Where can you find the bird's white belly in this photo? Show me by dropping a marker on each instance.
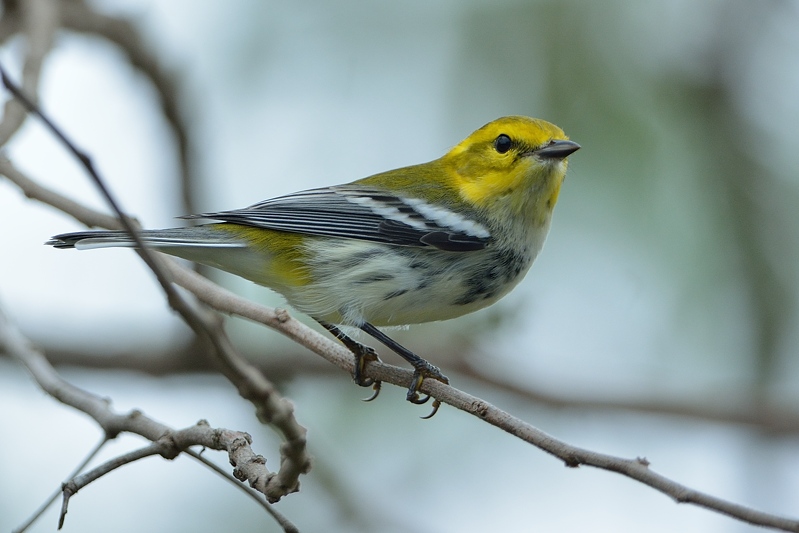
(361, 282)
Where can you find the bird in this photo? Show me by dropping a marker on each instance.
(422, 243)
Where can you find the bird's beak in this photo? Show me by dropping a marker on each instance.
(556, 150)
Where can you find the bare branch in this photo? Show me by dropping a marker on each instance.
(71, 487)
(28, 523)
(167, 442)
(33, 190)
(723, 409)
(287, 526)
(637, 469)
(39, 20)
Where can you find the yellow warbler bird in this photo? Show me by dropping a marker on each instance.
(416, 244)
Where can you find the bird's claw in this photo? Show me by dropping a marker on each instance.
(376, 388)
(363, 356)
(436, 405)
(413, 396)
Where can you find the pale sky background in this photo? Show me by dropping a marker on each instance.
(638, 294)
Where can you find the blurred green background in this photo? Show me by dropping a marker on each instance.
(669, 281)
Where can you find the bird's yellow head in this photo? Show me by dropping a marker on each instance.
(516, 161)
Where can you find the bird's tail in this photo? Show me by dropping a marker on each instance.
(223, 246)
(192, 237)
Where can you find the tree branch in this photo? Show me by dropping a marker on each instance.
(166, 442)
(723, 409)
(78, 469)
(38, 20)
(70, 488)
(287, 526)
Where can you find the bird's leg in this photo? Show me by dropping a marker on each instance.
(422, 368)
(363, 355)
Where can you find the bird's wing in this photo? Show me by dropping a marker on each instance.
(359, 212)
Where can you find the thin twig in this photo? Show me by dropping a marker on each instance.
(33, 190)
(59, 492)
(169, 447)
(167, 442)
(39, 21)
(287, 526)
(637, 469)
(72, 487)
(723, 409)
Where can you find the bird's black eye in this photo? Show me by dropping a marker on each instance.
(502, 143)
